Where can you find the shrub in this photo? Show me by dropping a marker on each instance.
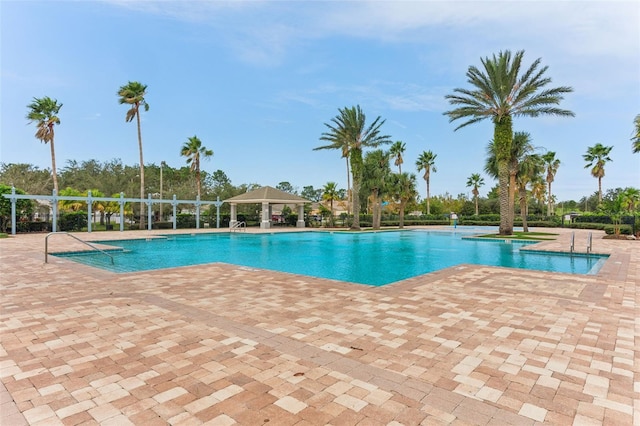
(598, 226)
(164, 225)
(37, 226)
(187, 221)
(624, 229)
(73, 221)
(592, 218)
(24, 208)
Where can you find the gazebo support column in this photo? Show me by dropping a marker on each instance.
(234, 215)
(266, 218)
(300, 222)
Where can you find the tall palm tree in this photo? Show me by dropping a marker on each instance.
(596, 157)
(635, 140)
(539, 189)
(529, 168)
(44, 112)
(520, 147)
(396, 151)
(133, 94)
(502, 93)
(342, 144)
(426, 162)
(403, 189)
(194, 151)
(375, 180)
(552, 164)
(475, 181)
(330, 194)
(348, 129)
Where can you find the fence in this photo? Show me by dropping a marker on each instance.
(54, 198)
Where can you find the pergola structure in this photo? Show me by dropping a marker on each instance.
(266, 196)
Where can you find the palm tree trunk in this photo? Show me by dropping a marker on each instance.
(523, 209)
(198, 179)
(476, 197)
(356, 171)
(348, 187)
(376, 210)
(428, 197)
(402, 206)
(331, 221)
(503, 137)
(549, 201)
(506, 227)
(599, 189)
(141, 171)
(53, 165)
(513, 190)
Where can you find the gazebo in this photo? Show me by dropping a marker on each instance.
(267, 196)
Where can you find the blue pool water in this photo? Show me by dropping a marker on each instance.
(374, 258)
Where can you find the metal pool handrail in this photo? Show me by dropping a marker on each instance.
(573, 237)
(46, 245)
(239, 226)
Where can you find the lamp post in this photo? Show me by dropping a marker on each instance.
(162, 165)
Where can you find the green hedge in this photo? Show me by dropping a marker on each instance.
(37, 226)
(624, 229)
(598, 226)
(73, 221)
(601, 218)
(166, 225)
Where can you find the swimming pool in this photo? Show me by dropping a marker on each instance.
(373, 258)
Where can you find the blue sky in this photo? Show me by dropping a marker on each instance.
(256, 81)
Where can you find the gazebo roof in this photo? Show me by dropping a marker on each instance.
(267, 194)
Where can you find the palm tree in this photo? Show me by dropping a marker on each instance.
(96, 206)
(529, 168)
(194, 151)
(520, 147)
(395, 151)
(552, 164)
(636, 135)
(501, 93)
(330, 194)
(133, 94)
(538, 190)
(348, 131)
(403, 188)
(343, 145)
(475, 181)
(44, 112)
(71, 205)
(375, 180)
(426, 162)
(596, 157)
(630, 199)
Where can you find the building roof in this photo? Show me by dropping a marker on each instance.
(267, 194)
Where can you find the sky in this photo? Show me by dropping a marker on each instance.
(256, 81)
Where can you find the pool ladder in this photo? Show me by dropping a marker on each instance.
(46, 245)
(589, 242)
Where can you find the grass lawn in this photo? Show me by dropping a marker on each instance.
(519, 235)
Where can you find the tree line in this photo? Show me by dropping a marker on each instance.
(499, 91)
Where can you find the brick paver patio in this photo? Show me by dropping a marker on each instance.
(223, 345)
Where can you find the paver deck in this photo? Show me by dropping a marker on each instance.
(223, 345)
